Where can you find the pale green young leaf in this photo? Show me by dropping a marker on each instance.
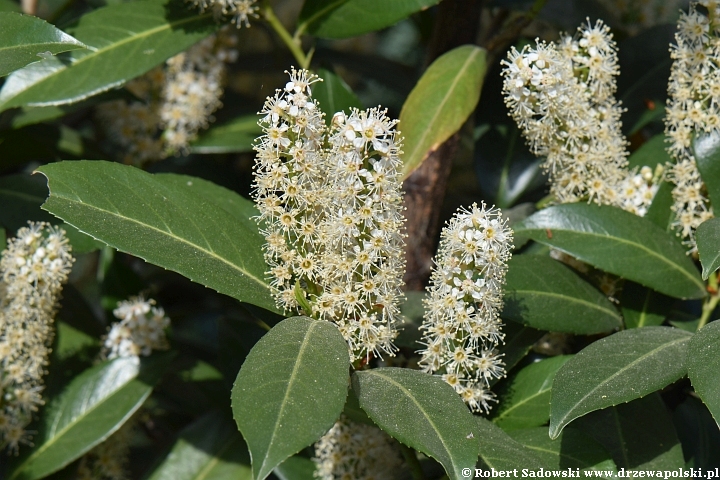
(26, 39)
(545, 294)
(707, 237)
(184, 224)
(421, 411)
(298, 374)
(704, 366)
(499, 451)
(440, 102)
(617, 369)
(617, 242)
(235, 136)
(124, 40)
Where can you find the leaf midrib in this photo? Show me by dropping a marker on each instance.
(516, 405)
(565, 297)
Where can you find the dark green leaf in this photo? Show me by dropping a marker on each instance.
(706, 148)
(125, 40)
(235, 136)
(348, 18)
(660, 210)
(298, 373)
(518, 342)
(524, 399)
(185, 224)
(209, 448)
(10, 6)
(26, 39)
(91, 408)
(616, 369)
(571, 450)
(704, 366)
(707, 236)
(70, 341)
(499, 451)
(545, 294)
(296, 468)
(334, 95)
(421, 411)
(440, 102)
(698, 434)
(639, 435)
(651, 154)
(642, 307)
(617, 242)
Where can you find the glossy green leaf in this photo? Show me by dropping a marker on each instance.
(348, 18)
(616, 369)
(298, 373)
(235, 136)
(421, 411)
(571, 450)
(660, 210)
(209, 448)
(698, 433)
(184, 224)
(518, 342)
(124, 40)
(90, 409)
(296, 468)
(706, 148)
(524, 399)
(334, 95)
(545, 294)
(638, 435)
(704, 366)
(650, 154)
(707, 237)
(26, 39)
(440, 102)
(499, 451)
(617, 242)
(642, 307)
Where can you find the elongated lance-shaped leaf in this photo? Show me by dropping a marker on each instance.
(124, 40)
(90, 409)
(617, 369)
(334, 95)
(707, 237)
(184, 224)
(440, 102)
(499, 451)
(26, 39)
(643, 307)
(235, 136)
(209, 448)
(704, 366)
(290, 390)
(524, 400)
(706, 148)
(421, 411)
(545, 294)
(617, 242)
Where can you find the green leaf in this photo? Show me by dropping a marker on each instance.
(184, 224)
(334, 95)
(124, 40)
(209, 448)
(90, 409)
(421, 411)
(545, 294)
(642, 307)
(235, 136)
(10, 6)
(26, 39)
(617, 242)
(298, 373)
(524, 400)
(707, 236)
(296, 468)
(660, 210)
(571, 450)
(440, 102)
(639, 435)
(348, 18)
(518, 342)
(616, 369)
(704, 366)
(499, 451)
(698, 433)
(706, 147)
(650, 154)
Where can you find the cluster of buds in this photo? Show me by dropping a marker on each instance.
(240, 10)
(141, 330)
(330, 210)
(33, 269)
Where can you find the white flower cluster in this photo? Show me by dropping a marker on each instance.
(141, 329)
(462, 327)
(109, 460)
(356, 451)
(177, 101)
(562, 98)
(330, 209)
(693, 107)
(241, 10)
(637, 190)
(33, 269)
